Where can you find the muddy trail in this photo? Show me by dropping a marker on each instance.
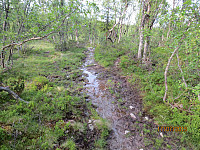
(118, 102)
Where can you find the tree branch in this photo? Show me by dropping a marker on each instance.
(39, 38)
(126, 6)
(34, 38)
(12, 93)
(181, 70)
(166, 70)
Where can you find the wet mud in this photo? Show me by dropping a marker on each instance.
(117, 101)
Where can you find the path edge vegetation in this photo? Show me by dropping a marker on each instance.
(146, 51)
(152, 90)
(56, 115)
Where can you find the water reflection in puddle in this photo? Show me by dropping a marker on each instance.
(96, 89)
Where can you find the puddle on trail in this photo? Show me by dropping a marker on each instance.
(100, 97)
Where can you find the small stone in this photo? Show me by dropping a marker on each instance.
(132, 115)
(91, 127)
(90, 121)
(126, 132)
(49, 94)
(161, 134)
(146, 118)
(131, 107)
(67, 131)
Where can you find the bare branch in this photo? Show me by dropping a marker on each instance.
(12, 93)
(181, 70)
(120, 17)
(38, 38)
(156, 14)
(27, 40)
(180, 107)
(166, 70)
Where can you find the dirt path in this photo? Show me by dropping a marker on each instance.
(116, 101)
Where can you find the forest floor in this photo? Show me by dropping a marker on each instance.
(75, 103)
(119, 102)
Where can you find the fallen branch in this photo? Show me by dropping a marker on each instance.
(12, 93)
(27, 40)
(180, 107)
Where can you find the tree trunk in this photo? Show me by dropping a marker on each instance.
(141, 43)
(120, 31)
(165, 74)
(141, 32)
(5, 29)
(170, 21)
(76, 35)
(181, 70)
(146, 48)
(148, 28)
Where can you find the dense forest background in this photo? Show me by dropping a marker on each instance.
(42, 41)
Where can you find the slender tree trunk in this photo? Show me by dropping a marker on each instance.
(5, 29)
(141, 32)
(165, 74)
(146, 48)
(170, 21)
(120, 31)
(141, 42)
(90, 33)
(148, 28)
(181, 70)
(76, 35)
(127, 30)
(119, 23)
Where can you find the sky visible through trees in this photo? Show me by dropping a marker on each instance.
(152, 44)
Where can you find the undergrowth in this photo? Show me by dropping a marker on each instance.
(55, 117)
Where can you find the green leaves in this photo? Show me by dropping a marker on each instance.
(188, 2)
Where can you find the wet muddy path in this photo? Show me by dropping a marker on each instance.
(116, 101)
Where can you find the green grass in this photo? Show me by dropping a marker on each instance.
(40, 76)
(106, 55)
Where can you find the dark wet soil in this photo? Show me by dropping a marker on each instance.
(117, 101)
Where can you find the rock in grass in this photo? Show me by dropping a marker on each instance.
(161, 134)
(131, 107)
(91, 127)
(126, 132)
(132, 115)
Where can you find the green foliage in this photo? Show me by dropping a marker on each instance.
(106, 56)
(152, 85)
(4, 136)
(47, 78)
(16, 84)
(39, 124)
(69, 144)
(64, 46)
(103, 126)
